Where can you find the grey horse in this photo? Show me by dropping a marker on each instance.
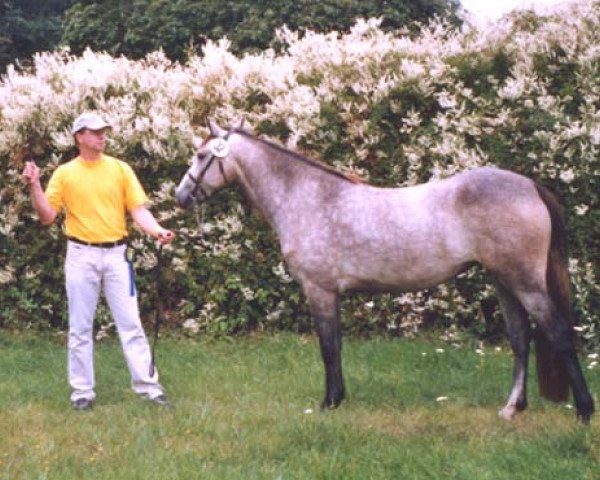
(339, 236)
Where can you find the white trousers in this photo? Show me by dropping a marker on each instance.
(88, 271)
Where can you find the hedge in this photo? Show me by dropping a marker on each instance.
(522, 94)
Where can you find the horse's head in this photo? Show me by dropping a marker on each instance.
(208, 170)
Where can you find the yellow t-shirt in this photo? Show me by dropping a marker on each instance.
(95, 196)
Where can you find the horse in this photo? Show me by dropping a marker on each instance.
(340, 236)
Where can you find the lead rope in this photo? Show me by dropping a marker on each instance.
(158, 312)
(199, 219)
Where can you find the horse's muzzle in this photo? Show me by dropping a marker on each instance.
(184, 200)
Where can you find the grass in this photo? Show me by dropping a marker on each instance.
(248, 409)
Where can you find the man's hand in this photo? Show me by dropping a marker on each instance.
(31, 176)
(146, 221)
(31, 173)
(165, 236)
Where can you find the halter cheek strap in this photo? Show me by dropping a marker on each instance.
(218, 150)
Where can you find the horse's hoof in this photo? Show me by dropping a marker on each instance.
(585, 410)
(330, 404)
(508, 412)
(584, 418)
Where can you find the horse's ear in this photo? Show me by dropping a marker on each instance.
(215, 130)
(240, 123)
(197, 142)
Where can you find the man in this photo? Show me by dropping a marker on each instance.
(95, 191)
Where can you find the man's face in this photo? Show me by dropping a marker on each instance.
(92, 139)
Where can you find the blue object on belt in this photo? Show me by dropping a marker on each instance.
(129, 257)
(131, 280)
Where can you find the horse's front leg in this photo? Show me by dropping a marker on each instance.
(325, 309)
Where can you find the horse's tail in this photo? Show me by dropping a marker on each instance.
(553, 382)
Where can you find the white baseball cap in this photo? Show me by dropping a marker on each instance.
(90, 120)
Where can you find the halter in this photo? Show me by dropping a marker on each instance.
(198, 180)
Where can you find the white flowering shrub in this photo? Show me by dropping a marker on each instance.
(522, 94)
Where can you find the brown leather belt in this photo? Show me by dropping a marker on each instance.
(116, 243)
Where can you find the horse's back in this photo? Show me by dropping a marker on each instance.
(415, 237)
(486, 215)
(458, 209)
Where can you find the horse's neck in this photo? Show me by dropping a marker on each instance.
(263, 187)
(282, 188)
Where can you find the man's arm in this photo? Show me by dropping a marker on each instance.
(46, 213)
(146, 221)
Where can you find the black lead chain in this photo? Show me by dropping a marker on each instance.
(158, 311)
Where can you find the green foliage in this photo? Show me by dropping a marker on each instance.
(137, 27)
(142, 26)
(28, 26)
(476, 72)
(395, 109)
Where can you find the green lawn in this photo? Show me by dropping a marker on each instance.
(249, 408)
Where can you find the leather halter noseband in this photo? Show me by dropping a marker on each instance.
(198, 180)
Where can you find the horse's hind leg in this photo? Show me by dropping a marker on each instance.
(519, 333)
(558, 333)
(325, 309)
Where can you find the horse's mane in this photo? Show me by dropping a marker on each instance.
(309, 161)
